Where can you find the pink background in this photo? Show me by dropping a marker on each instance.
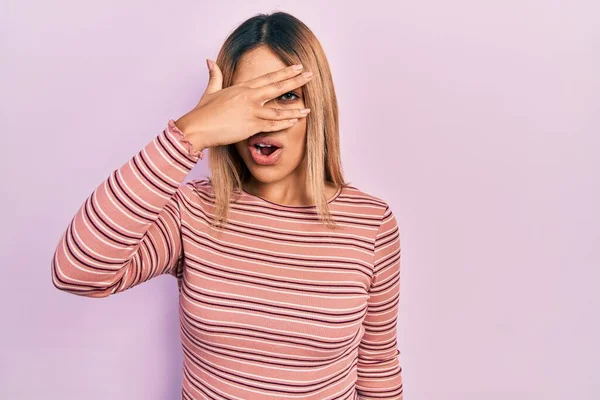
(478, 121)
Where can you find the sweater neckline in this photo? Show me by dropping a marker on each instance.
(331, 200)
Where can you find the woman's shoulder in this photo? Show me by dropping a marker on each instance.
(378, 209)
(202, 184)
(353, 196)
(202, 187)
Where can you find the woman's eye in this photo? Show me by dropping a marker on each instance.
(286, 97)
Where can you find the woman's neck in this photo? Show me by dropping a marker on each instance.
(291, 191)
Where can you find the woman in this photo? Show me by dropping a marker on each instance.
(288, 277)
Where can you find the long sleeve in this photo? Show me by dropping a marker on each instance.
(379, 371)
(128, 230)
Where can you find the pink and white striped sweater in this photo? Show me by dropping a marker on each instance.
(274, 306)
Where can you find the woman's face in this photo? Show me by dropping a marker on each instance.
(255, 63)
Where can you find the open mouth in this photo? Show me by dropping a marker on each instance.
(265, 149)
(265, 153)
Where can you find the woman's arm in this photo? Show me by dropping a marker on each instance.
(128, 230)
(379, 371)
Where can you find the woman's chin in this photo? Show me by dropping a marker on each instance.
(266, 174)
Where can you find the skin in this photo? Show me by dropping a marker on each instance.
(285, 181)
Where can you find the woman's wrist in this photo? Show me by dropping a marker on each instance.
(184, 125)
(193, 148)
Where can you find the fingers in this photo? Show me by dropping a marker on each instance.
(279, 113)
(215, 81)
(277, 88)
(270, 125)
(284, 73)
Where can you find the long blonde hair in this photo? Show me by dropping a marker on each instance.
(294, 43)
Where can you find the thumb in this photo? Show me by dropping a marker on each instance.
(215, 81)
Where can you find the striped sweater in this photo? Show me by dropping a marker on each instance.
(274, 306)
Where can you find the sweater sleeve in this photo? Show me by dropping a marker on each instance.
(128, 230)
(379, 371)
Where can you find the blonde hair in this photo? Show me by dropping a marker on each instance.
(294, 43)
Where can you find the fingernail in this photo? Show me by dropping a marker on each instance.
(294, 120)
(209, 64)
(305, 111)
(307, 74)
(298, 67)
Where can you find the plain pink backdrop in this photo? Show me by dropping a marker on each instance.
(478, 121)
